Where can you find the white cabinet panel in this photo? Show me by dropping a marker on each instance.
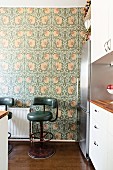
(4, 143)
(99, 28)
(110, 143)
(97, 151)
(110, 124)
(110, 152)
(110, 10)
(98, 140)
(101, 138)
(98, 115)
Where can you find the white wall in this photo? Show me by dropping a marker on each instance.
(43, 3)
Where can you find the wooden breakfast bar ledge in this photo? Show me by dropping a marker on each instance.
(3, 140)
(3, 113)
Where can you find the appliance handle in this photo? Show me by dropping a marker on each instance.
(77, 88)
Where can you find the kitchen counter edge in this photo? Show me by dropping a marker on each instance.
(105, 104)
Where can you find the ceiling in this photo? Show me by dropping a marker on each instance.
(43, 3)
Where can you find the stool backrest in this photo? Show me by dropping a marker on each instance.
(47, 101)
(7, 101)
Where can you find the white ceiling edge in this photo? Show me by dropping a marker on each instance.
(43, 3)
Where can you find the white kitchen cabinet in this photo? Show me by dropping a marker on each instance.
(4, 143)
(110, 152)
(110, 143)
(101, 138)
(98, 140)
(110, 11)
(101, 28)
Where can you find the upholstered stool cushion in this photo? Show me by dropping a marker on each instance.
(9, 115)
(39, 116)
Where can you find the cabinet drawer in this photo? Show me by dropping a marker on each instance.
(99, 115)
(95, 129)
(98, 138)
(97, 154)
(98, 143)
(110, 123)
(97, 133)
(93, 153)
(110, 152)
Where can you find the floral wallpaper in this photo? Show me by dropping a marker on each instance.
(39, 56)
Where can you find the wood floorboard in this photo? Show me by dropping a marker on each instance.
(67, 157)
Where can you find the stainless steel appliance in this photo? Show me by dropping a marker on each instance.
(83, 107)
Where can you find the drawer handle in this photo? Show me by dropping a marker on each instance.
(95, 110)
(95, 143)
(109, 44)
(106, 46)
(96, 127)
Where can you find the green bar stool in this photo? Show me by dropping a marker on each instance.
(40, 149)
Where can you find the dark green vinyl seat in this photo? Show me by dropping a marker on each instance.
(40, 116)
(7, 102)
(39, 149)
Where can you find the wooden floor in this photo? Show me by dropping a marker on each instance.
(67, 157)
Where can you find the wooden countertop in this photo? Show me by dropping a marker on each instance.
(3, 113)
(105, 104)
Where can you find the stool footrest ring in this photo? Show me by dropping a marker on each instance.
(45, 134)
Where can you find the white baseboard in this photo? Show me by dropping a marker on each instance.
(36, 140)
